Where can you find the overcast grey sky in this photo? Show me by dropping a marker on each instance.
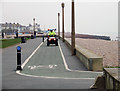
(92, 17)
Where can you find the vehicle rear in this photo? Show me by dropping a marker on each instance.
(52, 40)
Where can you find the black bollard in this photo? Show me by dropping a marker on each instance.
(19, 58)
(16, 34)
(43, 38)
(2, 35)
(34, 34)
(23, 40)
(32, 37)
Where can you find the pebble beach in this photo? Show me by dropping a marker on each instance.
(107, 49)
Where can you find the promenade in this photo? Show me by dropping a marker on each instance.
(50, 67)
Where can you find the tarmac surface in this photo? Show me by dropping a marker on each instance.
(49, 62)
(43, 64)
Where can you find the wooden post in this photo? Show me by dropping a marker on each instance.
(119, 38)
(59, 25)
(73, 30)
(63, 5)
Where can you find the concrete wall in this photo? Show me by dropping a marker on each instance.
(112, 80)
(92, 61)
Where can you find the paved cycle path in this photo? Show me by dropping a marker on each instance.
(13, 81)
(49, 61)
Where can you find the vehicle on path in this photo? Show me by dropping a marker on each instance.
(52, 40)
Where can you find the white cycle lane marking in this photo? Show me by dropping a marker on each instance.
(50, 66)
(42, 66)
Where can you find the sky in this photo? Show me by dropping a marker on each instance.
(91, 16)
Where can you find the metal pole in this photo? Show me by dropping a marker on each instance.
(59, 25)
(33, 25)
(63, 5)
(73, 30)
(43, 38)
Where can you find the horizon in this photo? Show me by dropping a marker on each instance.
(103, 20)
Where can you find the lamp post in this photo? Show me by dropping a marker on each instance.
(13, 27)
(63, 5)
(33, 24)
(73, 30)
(34, 32)
(59, 25)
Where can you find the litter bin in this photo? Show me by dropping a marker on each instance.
(32, 37)
(23, 40)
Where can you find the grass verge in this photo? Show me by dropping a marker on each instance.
(9, 42)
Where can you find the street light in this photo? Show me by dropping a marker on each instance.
(63, 5)
(34, 32)
(59, 25)
(33, 24)
(73, 30)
